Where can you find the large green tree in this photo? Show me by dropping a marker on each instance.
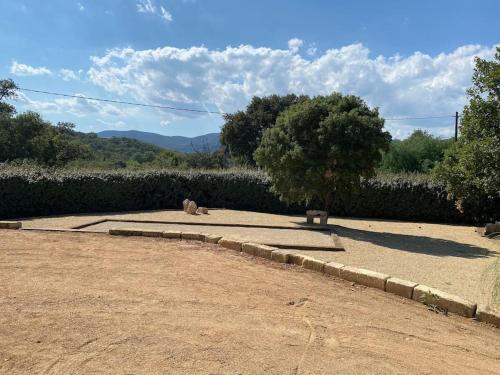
(242, 131)
(471, 167)
(27, 136)
(420, 152)
(321, 147)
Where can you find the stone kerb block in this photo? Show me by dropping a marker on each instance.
(125, 232)
(258, 250)
(280, 256)
(445, 300)
(364, 277)
(152, 233)
(192, 236)
(313, 264)
(296, 258)
(333, 268)
(212, 238)
(230, 244)
(400, 287)
(172, 234)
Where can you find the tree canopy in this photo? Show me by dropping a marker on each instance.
(242, 131)
(322, 146)
(420, 152)
(471, 167)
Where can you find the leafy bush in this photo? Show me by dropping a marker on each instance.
(30, 191)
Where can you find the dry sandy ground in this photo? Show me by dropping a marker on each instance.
(453, 258)
(91, 304)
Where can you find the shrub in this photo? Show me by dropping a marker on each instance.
(30, 191)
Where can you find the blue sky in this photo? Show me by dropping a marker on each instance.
(408, 58)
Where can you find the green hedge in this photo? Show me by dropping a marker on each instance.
(26, 192)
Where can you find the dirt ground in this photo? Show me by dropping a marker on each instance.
(90, 303)
(452, 258)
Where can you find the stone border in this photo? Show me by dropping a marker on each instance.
(372, 279)
(387, 283)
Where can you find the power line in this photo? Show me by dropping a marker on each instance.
(123, 102)
(190, 109)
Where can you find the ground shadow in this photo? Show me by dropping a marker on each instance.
(414, 244)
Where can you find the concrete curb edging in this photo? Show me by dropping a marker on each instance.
(192, 236)
(125, 232)
(404, 288)
(400, 287)
(448, 301)
(230, 244)
(280, 256)
(364, 277)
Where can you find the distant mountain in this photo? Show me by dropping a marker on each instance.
(176, 143)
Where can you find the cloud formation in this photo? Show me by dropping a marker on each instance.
(78, 107)
(70, 75)
(26, 70)
(198, 77)
(148, 6)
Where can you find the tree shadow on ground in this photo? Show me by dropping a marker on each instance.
(414, 244)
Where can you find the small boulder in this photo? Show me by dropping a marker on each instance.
(185, 204)
(491, 228)
(192, 207)
(202, 210)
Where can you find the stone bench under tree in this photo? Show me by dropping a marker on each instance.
(323, 216)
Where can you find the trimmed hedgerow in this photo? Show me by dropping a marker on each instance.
(26, 192)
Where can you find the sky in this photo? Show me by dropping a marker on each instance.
(408, 58)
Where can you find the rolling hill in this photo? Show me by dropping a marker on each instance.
(176, 143)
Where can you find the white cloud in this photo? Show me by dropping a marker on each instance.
(78, 107)
(295, 44)
(165, 14)
(26, 70)
(164, 123)
(146, 6)
(80, 7)
(197, 77)
(312, 50)
(70, 75)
